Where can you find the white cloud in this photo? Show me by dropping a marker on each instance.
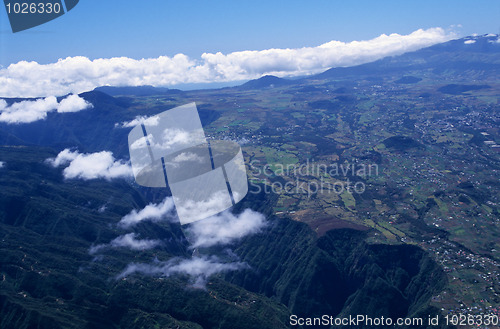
(217, 230)
(64, 157)
(73, 103)
(149, 121)
(152, 212)
(170, 138)
(2, 164)
(225, 228)
(27, 111)
(127, 241)
(189, 210)
(176, 136)
(469, 42)
(91, 166)
(198, 268)
(30, 111)
(78, 74)
(187, 156)
(184, 157)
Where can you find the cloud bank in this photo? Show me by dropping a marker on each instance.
(91, 166)
(197, 268)
(126, 241)
(30, 111)
(78, 74)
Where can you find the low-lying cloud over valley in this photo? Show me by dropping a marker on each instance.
(225, 228)
(129, 240)
(152, 212)
(30, 111)
(220, 230)
(197, 268)
(91, 166)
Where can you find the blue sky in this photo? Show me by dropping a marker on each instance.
(144, 29)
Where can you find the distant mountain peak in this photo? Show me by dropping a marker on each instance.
(267, 81)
